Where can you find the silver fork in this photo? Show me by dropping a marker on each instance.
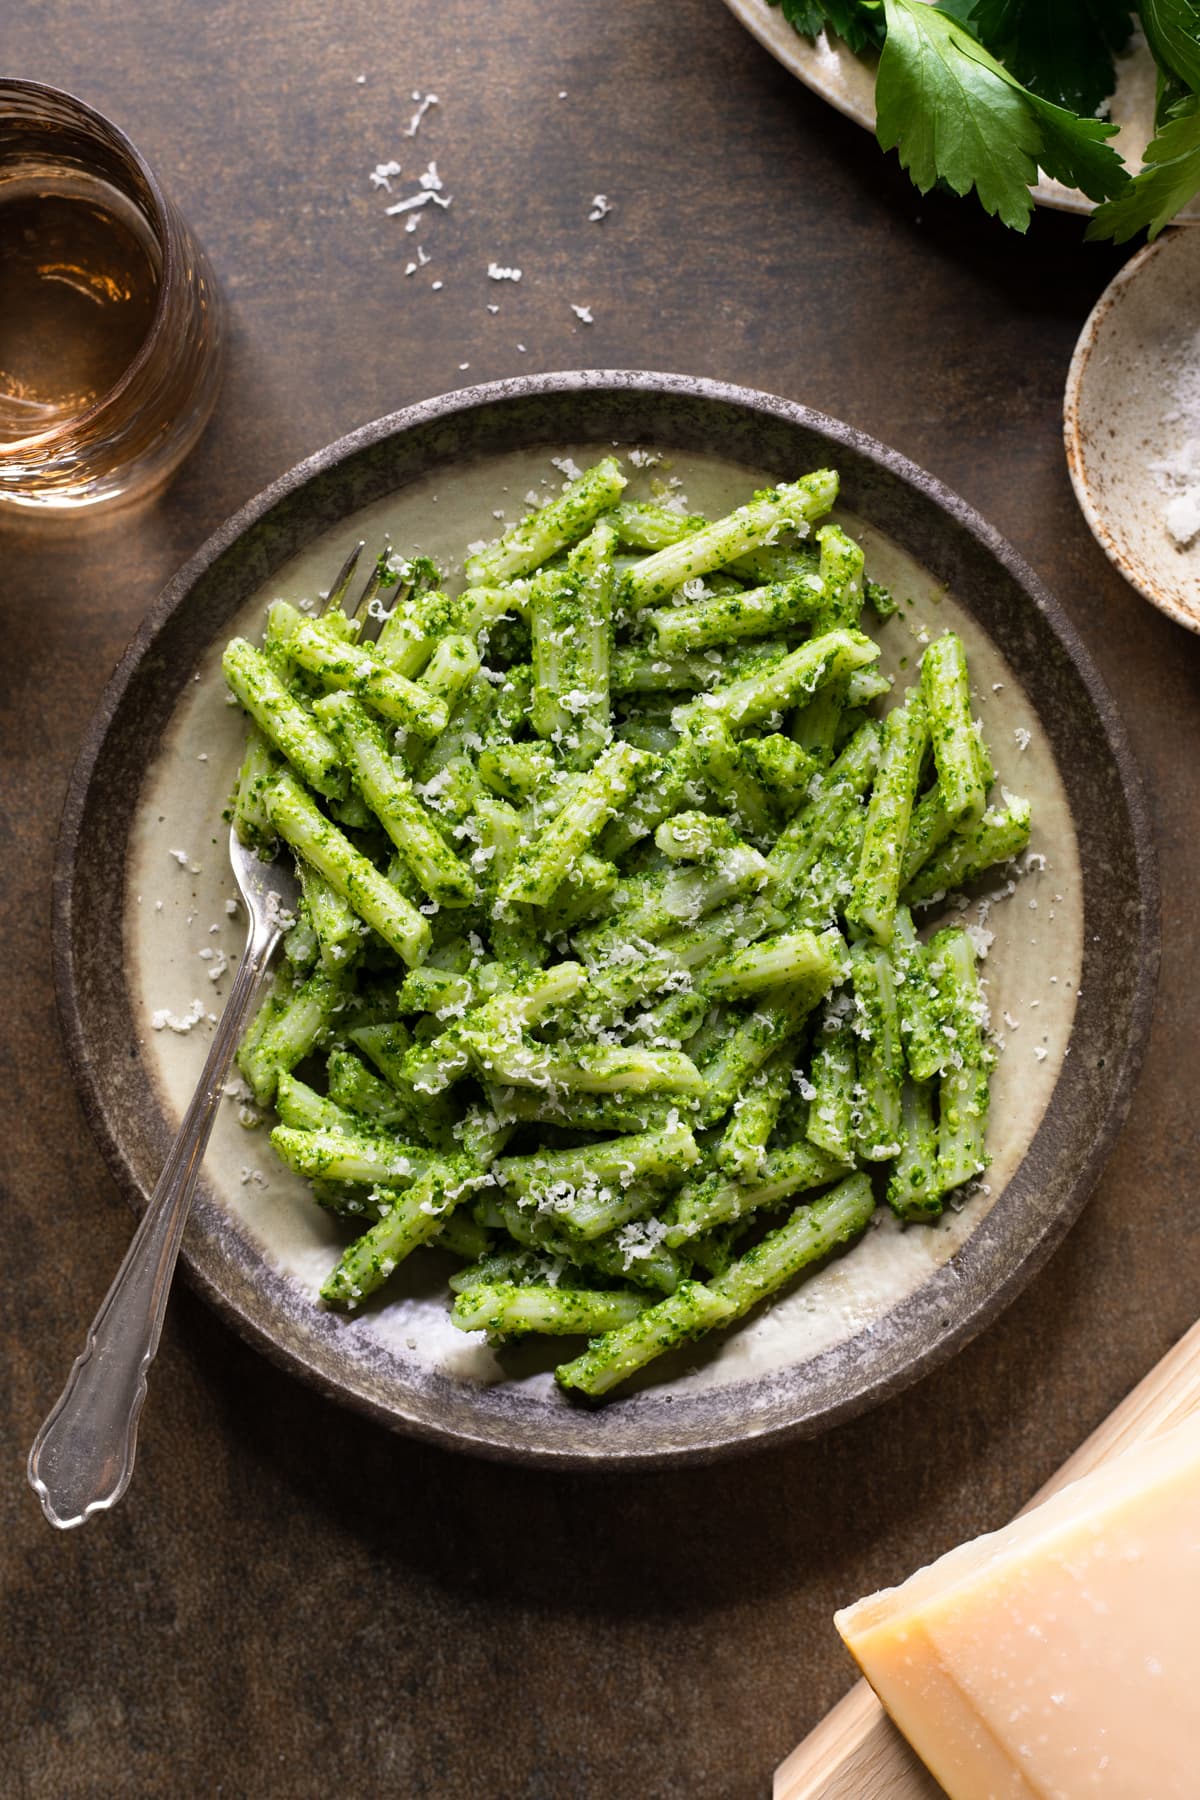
(82, 1458)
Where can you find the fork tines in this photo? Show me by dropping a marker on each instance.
(343, 578)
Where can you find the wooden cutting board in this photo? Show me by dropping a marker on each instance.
(856, 1753)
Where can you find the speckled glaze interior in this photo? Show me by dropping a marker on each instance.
(1117, 418)
(831, 69)
(157, 761)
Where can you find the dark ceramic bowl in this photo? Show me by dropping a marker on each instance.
(1049, 1173)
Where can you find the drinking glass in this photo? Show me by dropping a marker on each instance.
(109, 319)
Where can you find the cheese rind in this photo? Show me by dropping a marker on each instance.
(1059, 1658)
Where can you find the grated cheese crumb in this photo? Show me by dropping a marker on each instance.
(640, 1239)
(182, 1023)
(277, 913)
(424, 102)
(408, 205)
(981, 938)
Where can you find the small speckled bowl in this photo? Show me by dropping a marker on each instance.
(1070, 969)
(1122, 415)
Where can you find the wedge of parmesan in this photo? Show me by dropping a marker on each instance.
(1059, 1657)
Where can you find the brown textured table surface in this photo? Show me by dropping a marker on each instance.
(290, 1601)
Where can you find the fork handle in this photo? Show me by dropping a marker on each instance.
(82, 1458)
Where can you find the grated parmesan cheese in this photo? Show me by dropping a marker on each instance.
(414, 200)
(424, 102)
(182, 1023)
(1178, 474)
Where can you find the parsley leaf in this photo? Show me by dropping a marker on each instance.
(955, 114)
(859, 22)
(808, 16)
(1074, 151)
(949, 119)
(1172, 30)
(1170, 95)
(1063, 52)
(1170, 178)
(959, 9)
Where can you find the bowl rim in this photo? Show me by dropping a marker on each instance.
(1129, 1052)
(1075, 443)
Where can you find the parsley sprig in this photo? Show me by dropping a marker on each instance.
(980, 94)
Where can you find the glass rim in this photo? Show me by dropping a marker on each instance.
(159, 217)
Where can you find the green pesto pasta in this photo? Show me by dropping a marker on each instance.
(605, 980)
